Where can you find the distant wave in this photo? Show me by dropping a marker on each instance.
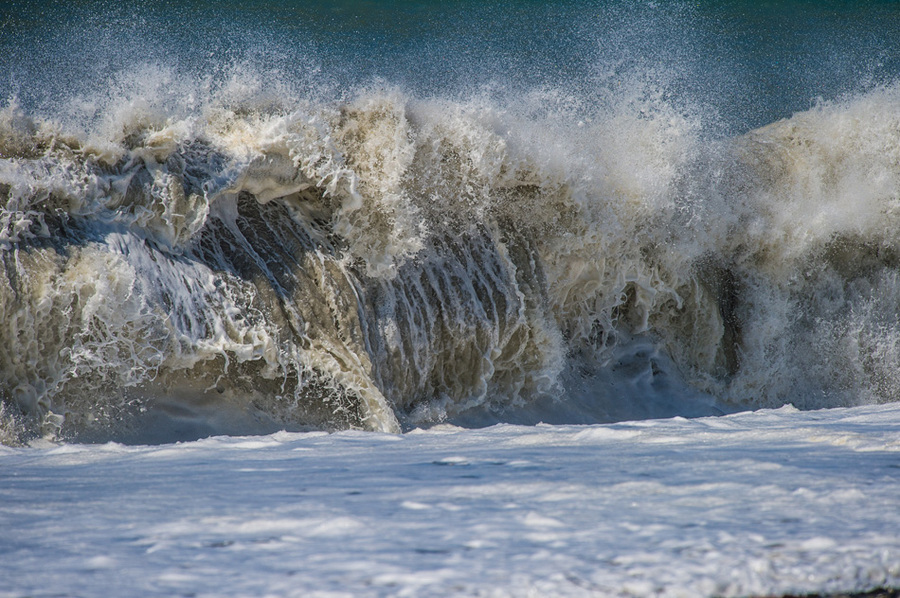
(390, 261)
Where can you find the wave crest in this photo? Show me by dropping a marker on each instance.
(393, 261)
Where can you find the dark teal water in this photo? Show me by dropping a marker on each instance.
(740, 64)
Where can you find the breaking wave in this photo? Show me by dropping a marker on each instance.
(238, 261)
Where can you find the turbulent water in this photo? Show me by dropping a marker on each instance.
(349, 216)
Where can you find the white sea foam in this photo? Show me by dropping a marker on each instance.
(754, 504)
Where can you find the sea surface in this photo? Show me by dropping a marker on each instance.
(762, 503)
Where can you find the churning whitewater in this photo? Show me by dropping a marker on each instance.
(251, 262)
